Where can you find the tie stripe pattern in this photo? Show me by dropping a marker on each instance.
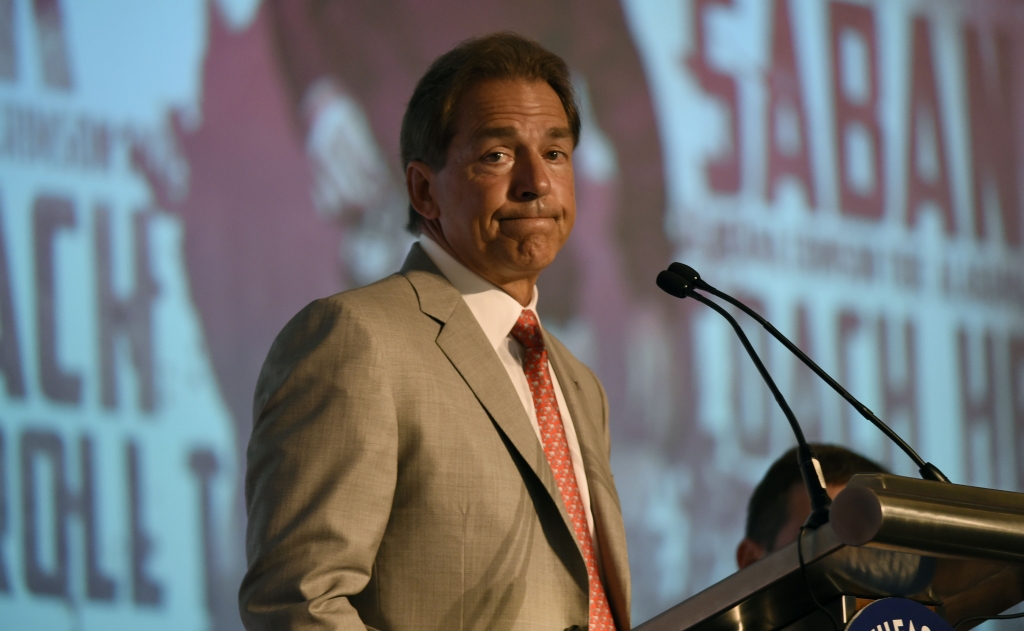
(556, 448)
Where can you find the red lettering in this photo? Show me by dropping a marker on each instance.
(8, 54)
(788, 143)
(849, 323)
(978, 409)
(145, 589)
(10, 346)
(203, 463)
(53, 44)
(129, 317)
(856, 107)
(40, 449)
(993, 132)
(806, 391)
(899, 387)
(51, 215)
(5, 493)
(723, 173)
(926, 172)
(750, 395)
(1017, 395)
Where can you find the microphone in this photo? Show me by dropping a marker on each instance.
(810, 469)
(689, 277)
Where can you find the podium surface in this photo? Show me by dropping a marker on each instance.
(959, 549)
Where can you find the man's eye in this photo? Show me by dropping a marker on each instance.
(556, 155)
(496, 156)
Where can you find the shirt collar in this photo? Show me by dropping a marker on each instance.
(495, 311)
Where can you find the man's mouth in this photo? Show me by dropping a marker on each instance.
(521, 226)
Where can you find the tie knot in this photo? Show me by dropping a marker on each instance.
(527, 330)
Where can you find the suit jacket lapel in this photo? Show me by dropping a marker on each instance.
(464, 343)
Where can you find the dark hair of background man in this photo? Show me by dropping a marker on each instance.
(768, 509)
(428, 124)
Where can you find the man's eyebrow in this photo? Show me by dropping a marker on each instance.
(494, 132)
(560, 132)
(511, 132)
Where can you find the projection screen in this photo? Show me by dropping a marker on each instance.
(178, 178)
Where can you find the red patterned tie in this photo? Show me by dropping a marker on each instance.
(535, 365)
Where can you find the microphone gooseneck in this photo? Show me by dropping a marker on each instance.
(690, 278)
(927, 470)
(682, 286)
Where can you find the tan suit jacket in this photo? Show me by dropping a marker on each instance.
(394, 479)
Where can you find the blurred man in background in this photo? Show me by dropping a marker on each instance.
(779, 505)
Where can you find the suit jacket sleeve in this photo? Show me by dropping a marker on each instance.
(321, 470)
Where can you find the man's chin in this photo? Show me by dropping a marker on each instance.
(535, 253)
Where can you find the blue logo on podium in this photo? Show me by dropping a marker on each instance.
(897, 614)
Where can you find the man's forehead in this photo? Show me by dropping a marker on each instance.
(485, 108)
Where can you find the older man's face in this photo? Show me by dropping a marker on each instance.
(505, 196)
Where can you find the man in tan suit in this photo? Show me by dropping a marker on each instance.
(424, 455)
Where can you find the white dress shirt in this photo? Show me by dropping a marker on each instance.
(497, 312)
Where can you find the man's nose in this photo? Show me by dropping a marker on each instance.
(530, 179)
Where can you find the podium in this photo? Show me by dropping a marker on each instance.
(958, 549)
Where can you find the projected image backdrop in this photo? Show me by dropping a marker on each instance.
(178, 178)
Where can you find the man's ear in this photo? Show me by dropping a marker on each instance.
(749, 551)
(419, 182)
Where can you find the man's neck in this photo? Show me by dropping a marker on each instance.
(520, 289)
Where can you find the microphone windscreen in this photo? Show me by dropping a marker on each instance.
(687, 272)
(673, 284)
